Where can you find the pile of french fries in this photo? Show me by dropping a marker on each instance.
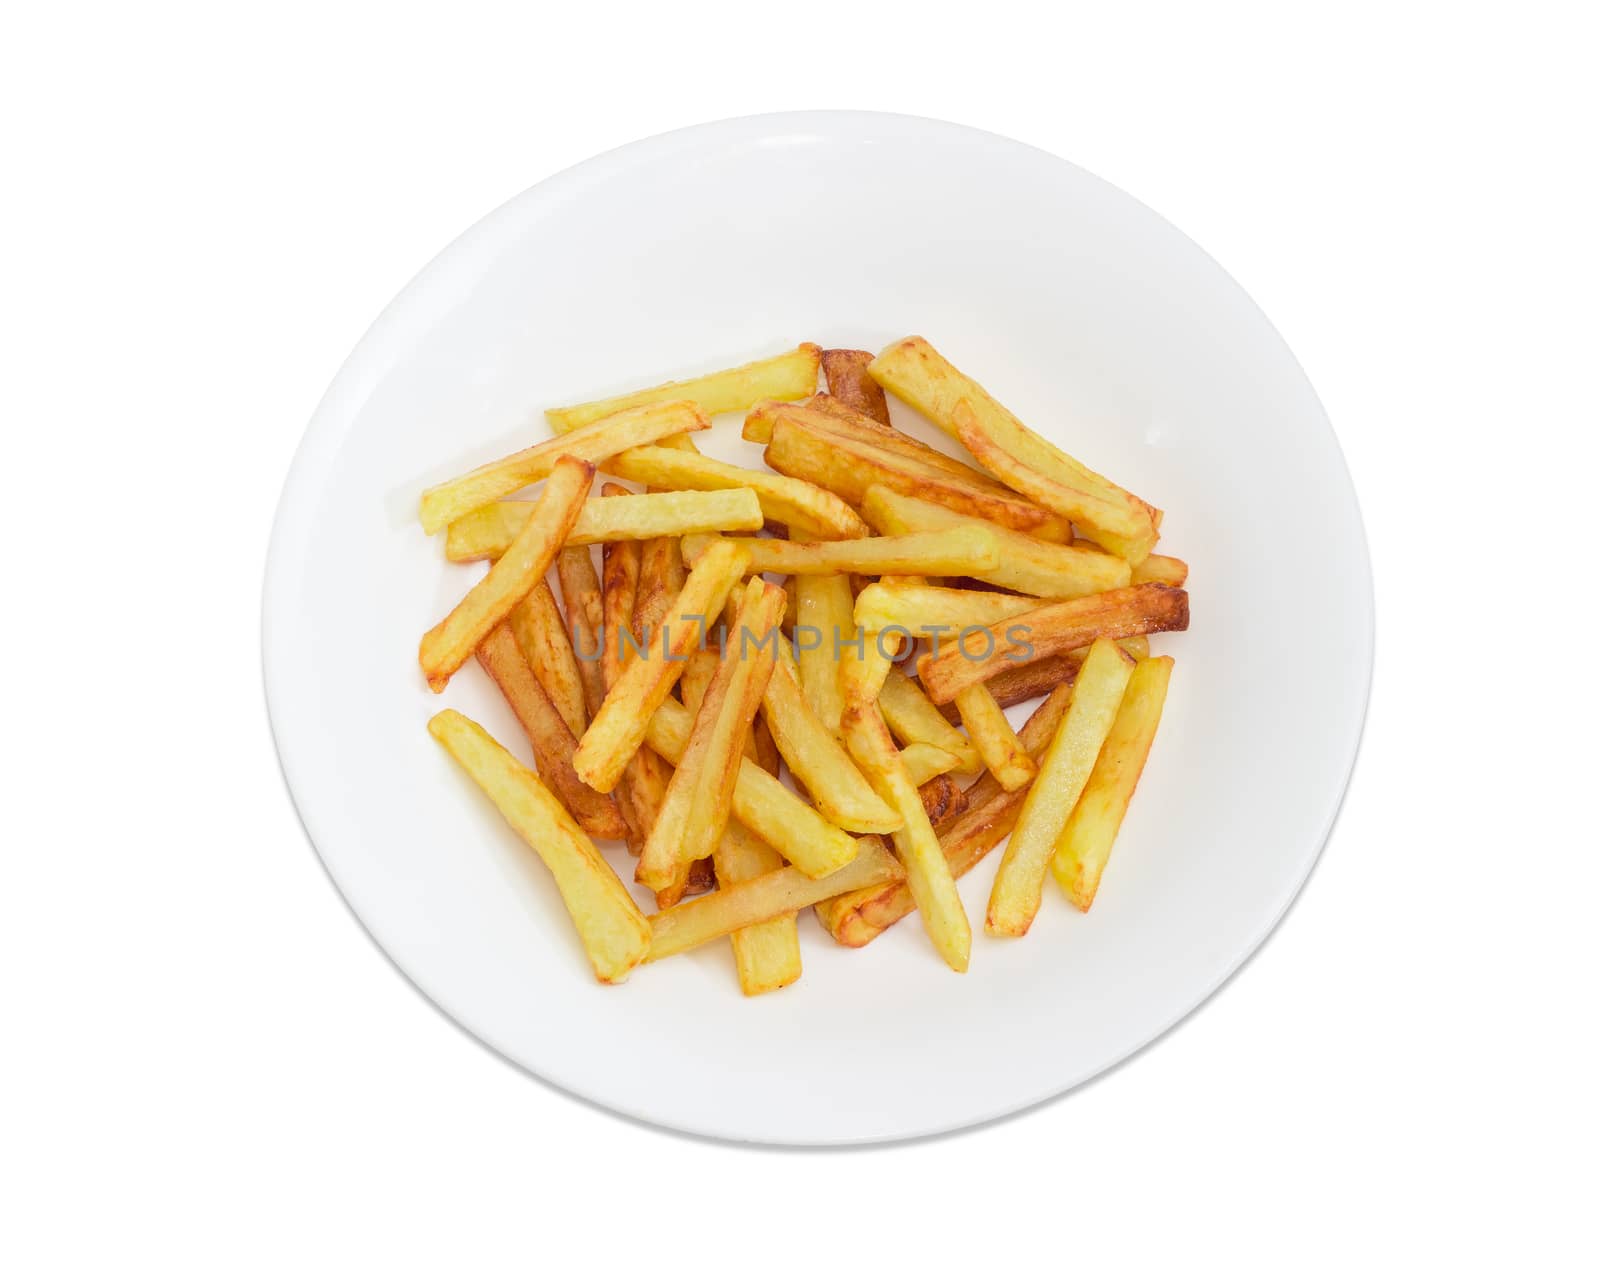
(664, 695)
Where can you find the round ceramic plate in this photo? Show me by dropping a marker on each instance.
(1103, 328)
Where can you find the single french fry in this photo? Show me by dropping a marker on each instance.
(1084, 845)
(766, 954)
(953, 552)
(864, 663)
(790, 375)
(925, 762)
(914, 371)
(758, 899)
(580, 591)
(804, 448)
(859, 917)
(848, 382)
(1162, 569)
(443, 504)
(793, 502)
(977, 655)
(614, 933)
(914, 719)
(551, 738)
(1028, 564)
(636, 793)
(446, 647)
(929, 611)
(927, 873)
(617, 730)
(541, 634)
(822, 618)
(991, 734)
(699, 798)
(488, 530)
(763, 804)
(817, 759)
(1063, 773)
(942, 798)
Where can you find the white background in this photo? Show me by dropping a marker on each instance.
(210, 1068)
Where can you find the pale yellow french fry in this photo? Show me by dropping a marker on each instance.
(449, 644)
(928, 610)
(614, 932)
(915, 720)
(1063, 773)
(763, 804)
(446, 502)
(758, 899)
(991, 734)
(797, 504)
(914, 371)
(617, 730)
(822, 619)
(790, 375)
(488, 530)
(864, 663)
(1085, 843)
(541, 633)
(1163, 569)
(924, 762)
(1050, 630)
(1027, 563)
(766, 954)
(699, 798)
(927, 872)
(957, 551)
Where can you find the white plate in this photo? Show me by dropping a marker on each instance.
(1102, 327)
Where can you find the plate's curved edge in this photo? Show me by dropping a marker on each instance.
(375, 350)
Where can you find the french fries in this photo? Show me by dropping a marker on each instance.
(1085, 843)
(1051, 629)
(848, 382)
(443, 504)
(791, 375)
(1019, 882)
(551, 738)
(446, 647)
(699, 798)
(489, 530)
(954, 552)
(615, 935)
(618, 729)
(1031, 576)
(914, 371)
(1027, 564)
(795, 503)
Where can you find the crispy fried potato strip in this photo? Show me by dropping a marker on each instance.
(914, 720)
(822, 619)
(766, 954)
(846, 374)
(487, 531)
(956, 551)
(991, 734)
(541, 634)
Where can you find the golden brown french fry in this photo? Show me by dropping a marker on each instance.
(925, 762)
(848, 382)
(790, 375)
(446, 502)
(541, 634)
(947, 553)
(698, 671)
(699, 798)
(942, 798)
(929, 610)
(927, 873)
(488, 530)
(914, 719)
(794, 502)
(446, 647)
(1163, 569)
(977, 655)
(822, 619)
(864, 663)
(580, 591)
(1017, 683)
(1027, 564)
(766, 954)
(1063, 773)
(991, 734)
(859, 917)
(614, 932)
(619, 591)
(552, 740)
(848, 467)
(1085, 844)
(763, 804)
(817, 759)
(758, 899)
(617, 730)
(914, 371)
